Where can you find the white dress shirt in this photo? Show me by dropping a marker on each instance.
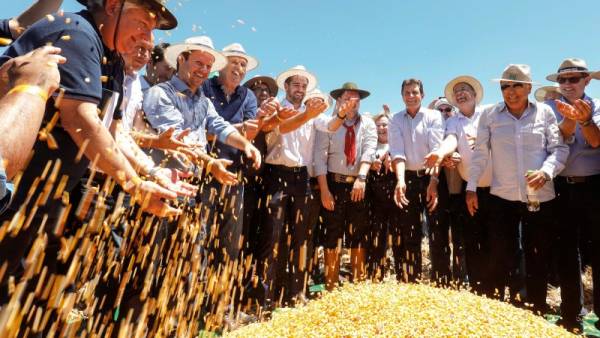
(464, 127)
(532, 142)
(411, 139)
(295, 149)
(133, 97)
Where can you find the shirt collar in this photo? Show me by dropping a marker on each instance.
(405, 112)
(182, 87)
(531, 106)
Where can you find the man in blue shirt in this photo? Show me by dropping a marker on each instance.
(91, 41)
(577, 186)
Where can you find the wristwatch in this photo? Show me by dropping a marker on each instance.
(586, 123)
(339, 117)
(361, 177)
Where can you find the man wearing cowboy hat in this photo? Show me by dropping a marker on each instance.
(466, 93)
(180, 104)
(289, 166)
(413, 133)
(522, 140)
(577, 186)
(342, 162)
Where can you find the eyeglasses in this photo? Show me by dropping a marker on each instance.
(572, 80)
(445, 110)
(514, 86)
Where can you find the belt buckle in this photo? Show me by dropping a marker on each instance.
(420, 173)
(348, 179)
(569, 180)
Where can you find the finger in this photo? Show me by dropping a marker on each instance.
(225, 163)
(183, 134)
(165, 210)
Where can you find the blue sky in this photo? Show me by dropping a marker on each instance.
(378, 44)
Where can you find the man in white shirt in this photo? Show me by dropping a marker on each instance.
(466, 92)
(289, 161)
(414, 133)
(527, 151)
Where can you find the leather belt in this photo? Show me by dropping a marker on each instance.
(287, 169)
(576, 179)
(339, 178)
(417, 173)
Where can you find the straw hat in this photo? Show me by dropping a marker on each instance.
(571, 65)
(318, 94)
(236, 49)
(297, 70)
(267, 80)
(540, 93)
(516, 73)
(471, 81)
(196, 43)
(336, 93)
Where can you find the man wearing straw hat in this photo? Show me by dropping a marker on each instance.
(522, 139)
(289, 165)
(577, 186)
(466, 93)
(342, 162)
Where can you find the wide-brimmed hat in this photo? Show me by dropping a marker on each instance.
(570, 65)
(516, 73)
(540, 93)
(196, 43)
(236, 49)
(336, 93)
(443, 101)
(471, 81)
(297, 70)
(266, 80)
(319, 94)
(165, 20)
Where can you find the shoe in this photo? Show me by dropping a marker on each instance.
(573, 326)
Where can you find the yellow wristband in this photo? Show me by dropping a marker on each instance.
(30, 89)
(209, 165)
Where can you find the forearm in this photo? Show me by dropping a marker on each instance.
(141, 162)
(144, 140)
(37, 11)
(293, 123)
(448, 146)
(567, 128)
(364, 167)
(270, 122)
(237, 141)
(591, 133)
(399, 167)
(335, 124)
(322, 180)
(20, 119)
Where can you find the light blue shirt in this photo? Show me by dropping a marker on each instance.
(411, 139)
(172, 104)
(584, 160)
(6, 189)
(329, 149)
(515, 146)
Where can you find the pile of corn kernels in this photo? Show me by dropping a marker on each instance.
(402, 310)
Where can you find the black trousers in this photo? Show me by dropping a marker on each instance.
(537, 236)
(438, 231)
(476, 242)
(382, 215)
(406, 238)
(284, 243)
(348, 222)
(579, 211)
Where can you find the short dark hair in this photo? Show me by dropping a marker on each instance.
(413, 81)
(158, 52)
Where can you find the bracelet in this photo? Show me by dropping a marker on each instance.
(586, 123)
(209, 165)
(30, 89)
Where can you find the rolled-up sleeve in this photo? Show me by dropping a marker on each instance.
(481, 153)
(396, 139)
(369, 145)
(558, 151)
(250, 106)
(161, 112)
(217, 125)
(321, 153)
(451, 126)
(435, 131)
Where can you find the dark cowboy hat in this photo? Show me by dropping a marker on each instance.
(349, 86)
(268, 81)
(165, 19)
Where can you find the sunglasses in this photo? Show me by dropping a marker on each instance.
(514, 86)
(572, 80)
(445, 110)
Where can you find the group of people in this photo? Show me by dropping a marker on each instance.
(169, 175)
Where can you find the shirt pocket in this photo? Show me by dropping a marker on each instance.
(533, 136)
